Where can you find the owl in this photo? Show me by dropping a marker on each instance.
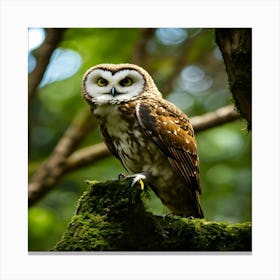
(152, 138)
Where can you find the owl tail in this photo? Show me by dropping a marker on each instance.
(199, 212)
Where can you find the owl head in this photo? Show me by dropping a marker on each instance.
(117, 83)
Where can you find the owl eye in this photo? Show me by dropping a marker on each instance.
(102, 82)
(126, 82)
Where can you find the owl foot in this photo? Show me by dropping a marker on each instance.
(138, 178)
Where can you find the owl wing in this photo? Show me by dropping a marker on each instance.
(172, 132)
(109, 142)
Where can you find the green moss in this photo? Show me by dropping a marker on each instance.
(88, 232)
(201, 235)
(111, 217)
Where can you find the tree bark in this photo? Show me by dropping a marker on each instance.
(236, 47)
(111, 217)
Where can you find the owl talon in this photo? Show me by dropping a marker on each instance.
(138, 178)
(140, 181)
(141, 184)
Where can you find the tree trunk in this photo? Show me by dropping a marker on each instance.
(236, 47)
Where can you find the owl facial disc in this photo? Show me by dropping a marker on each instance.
(103, 86)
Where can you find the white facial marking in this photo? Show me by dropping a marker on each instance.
(103, 95)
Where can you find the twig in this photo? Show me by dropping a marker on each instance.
(53, 38)
(220, 116)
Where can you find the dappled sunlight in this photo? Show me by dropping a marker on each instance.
(220, 174)
(225, 144)
(226, 180)
(181, 99)
(171, 36)
(218, 54)
(216, 99)
(194, 80)
(230, 143)
(36, 37)
(31, 62)
(64, 64)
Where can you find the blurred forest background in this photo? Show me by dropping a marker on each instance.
(187, 67)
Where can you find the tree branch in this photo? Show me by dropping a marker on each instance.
(212, 119)
(86, 156)
(62, 160)
(50, 171)
(43, 55)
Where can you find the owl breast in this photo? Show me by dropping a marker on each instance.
(126, 139)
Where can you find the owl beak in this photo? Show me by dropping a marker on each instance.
(113, 91)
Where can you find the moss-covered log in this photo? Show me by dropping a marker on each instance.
(111, 217)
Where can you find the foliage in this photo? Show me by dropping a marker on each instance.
(188, 68)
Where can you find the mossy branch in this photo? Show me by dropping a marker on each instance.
(111, 217)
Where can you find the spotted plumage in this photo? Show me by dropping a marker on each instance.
(151, 137)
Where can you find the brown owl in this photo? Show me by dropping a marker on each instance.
(151, 137)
